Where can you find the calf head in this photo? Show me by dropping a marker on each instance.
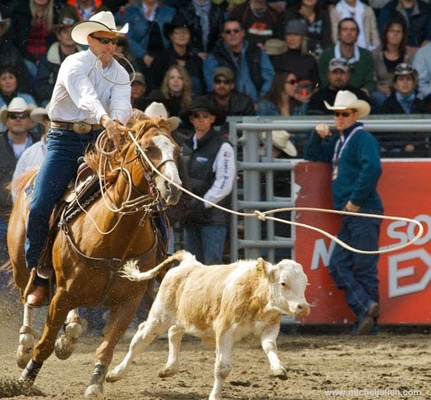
(287, 283)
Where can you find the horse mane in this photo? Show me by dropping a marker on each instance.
(138, 126)
(18, 184)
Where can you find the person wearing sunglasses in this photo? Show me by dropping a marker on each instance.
(338, 79)
(227, 100)
(92, 93)
(251, 66)
(209, 166)
(13, 141)
(354, 155)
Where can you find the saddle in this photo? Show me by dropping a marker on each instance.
(83, 191)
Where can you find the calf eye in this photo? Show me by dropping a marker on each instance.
(284, 285)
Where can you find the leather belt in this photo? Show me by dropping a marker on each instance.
(78, 127)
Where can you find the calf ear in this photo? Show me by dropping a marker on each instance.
(265, 268)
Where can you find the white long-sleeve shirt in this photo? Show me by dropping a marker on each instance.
(85, 91)
(225, 170)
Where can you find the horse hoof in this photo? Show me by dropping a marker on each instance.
(280, 373)
(64, 347)
(23, 356)
(93, 392)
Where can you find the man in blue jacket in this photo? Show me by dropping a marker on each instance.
(356, 169)
(251, 66)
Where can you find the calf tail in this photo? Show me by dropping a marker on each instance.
(131, 271)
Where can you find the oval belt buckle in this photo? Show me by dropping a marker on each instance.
(81, 127)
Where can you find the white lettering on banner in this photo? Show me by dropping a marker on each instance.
(321, 253)
(396, 274)
(404, 231)
(401, 232)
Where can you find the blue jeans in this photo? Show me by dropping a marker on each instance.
(57, 171)
(206, 242)
(357, 273)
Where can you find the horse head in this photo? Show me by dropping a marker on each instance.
(157, 153)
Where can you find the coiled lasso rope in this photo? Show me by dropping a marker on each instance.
(263, 215)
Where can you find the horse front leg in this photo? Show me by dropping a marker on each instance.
(118, 322)
(65, 345)
(26, 338)
(56, 316)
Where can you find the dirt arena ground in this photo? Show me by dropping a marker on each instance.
(388, 366)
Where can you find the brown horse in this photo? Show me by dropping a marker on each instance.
(91, 246)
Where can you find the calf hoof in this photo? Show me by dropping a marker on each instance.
(167, 372)
(93, 392)
(280, 373)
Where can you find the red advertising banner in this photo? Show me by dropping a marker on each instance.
(404, 274)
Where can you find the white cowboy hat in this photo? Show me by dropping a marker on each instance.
(17, 105)
(38, 113)
(345, 99)
(280, 139)
(102, 21)
(156, 109)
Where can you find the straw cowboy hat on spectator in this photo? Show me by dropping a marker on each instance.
(101, 22)
(345, 100)
(17, 105)
(39, 114)
(281, 140)
(156, 109)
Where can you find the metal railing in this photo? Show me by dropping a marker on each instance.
(250, 237)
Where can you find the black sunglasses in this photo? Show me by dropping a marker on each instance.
(229, 31)
(21, 115)
(205, 115)
(342, 114)
(219, 81)
(104, 40)
(292, 82)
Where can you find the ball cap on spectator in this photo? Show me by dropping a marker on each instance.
(137, 77)
(4, 24)
(295, 26)
(102, 21)
(64, 23)
(156, 109)
(345, 100)
(38, 114)
(224, 71)
(17, 105)
(404, 69)
(338, 63)
(281, 140)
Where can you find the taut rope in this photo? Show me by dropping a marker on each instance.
(263, 215)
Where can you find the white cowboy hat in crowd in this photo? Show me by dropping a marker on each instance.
(345, 99)
(38, 113)
(17, 105)
(156, 109)
(281, 140)
(102, 21)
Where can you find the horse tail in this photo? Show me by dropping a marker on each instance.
(131, 271)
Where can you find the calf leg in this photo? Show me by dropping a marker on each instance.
(146, 333)
(222, 367)
(269, 346)
(173, 365)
